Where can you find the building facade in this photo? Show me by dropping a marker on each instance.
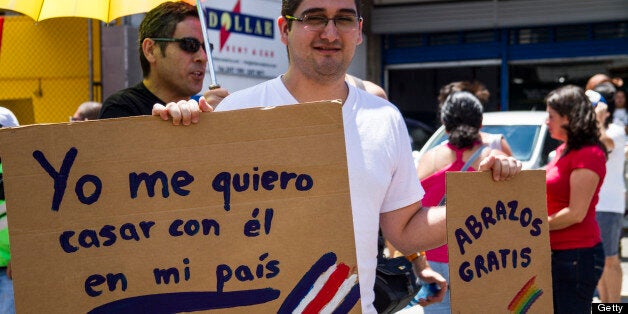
(520, 49)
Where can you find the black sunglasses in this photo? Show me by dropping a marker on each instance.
(187, 44)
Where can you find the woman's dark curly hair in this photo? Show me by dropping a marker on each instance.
(582, 129)
(461, 114)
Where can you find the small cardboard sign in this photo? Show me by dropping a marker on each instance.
(246, 211)
(498, 243)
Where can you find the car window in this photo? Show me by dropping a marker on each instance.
(521, 138)
(440, 137)
(419, 132)
(419, 137)
(548, 147)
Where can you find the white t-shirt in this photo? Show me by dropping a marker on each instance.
(620, 117)
(613, 188)
(494, 141)
(382, 176)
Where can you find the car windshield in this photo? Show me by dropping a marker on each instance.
(521, 138)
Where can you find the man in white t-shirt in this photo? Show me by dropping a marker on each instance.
(620, 117)
(321, 37)
(610, 215)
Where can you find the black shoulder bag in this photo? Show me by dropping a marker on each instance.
(395, 282)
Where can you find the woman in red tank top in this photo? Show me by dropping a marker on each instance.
(461, 114)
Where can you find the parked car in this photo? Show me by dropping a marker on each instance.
(419, 132)
(525, 131)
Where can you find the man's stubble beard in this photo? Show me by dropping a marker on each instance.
(329, 70)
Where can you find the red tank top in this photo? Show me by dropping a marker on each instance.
(434, 186)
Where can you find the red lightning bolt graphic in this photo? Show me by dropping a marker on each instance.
(224, 34)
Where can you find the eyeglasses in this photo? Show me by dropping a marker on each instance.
(318, 22)
(187, 44)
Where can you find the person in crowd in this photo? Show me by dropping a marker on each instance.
(173, 61)
(610, 214)
(604, 95)
(7, 300)
(86, 111)
(461, 114)
(611, 204)
(367, 86)
(620, 117)
(7, 118)
(573, 179)
(599, 78)
(321, 37)
(495, 141)
(420, 264)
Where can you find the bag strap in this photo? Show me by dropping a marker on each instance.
(381, 244)
(473, 158)
(465, 167)
(359, 83)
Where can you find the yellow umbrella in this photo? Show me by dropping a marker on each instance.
(104, 10)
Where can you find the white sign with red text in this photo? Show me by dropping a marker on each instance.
(247, 45)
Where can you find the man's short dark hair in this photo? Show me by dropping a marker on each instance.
(161, 22)
(288, 7)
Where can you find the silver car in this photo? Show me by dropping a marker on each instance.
(525, 131)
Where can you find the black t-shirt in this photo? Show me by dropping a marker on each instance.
(132, 101)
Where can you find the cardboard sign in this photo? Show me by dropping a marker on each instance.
(245, 211)
(498, 243)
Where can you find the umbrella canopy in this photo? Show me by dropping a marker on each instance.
(104, 10)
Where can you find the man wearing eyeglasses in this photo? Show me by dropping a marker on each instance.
(173, 60)
(321, 37)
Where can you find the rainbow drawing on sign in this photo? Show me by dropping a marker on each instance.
(325, 288)
(524, 299)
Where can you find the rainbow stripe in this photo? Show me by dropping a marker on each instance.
(524, 299)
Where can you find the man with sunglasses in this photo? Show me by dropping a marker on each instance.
(321, 37)
(173, 60)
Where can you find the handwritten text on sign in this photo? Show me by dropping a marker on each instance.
(136, 222)
(504, 257)
(224, 182)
